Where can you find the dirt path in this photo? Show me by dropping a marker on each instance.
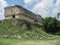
(35, 43)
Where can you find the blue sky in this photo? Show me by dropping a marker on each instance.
(15, 2)
(45, 8)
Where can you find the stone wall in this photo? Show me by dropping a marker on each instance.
(13, 10)
(21, 13)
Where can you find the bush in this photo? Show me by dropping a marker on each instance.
(50, 25)
(58, 33)
(58, 26)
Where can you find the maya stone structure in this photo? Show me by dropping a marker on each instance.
(18, 12)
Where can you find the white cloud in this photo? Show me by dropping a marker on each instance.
(30, 1)
(27, 1)
(3, 4)
(44, 7)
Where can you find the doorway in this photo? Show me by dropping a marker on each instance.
(13, 16)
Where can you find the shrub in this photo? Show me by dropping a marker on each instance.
(50, 25)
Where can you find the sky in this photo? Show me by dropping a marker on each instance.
(45, 8)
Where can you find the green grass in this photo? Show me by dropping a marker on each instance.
(10, 29)
(35, 35)
(5, 41)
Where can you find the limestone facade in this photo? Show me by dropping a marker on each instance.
(18, 12)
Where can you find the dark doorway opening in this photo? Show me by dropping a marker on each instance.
(13, 16)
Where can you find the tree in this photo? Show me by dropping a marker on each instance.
(50, 25)
(58, 26)
(58, 15)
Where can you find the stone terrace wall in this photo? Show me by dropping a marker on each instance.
(21, 13)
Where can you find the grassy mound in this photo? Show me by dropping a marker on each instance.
(15, 28)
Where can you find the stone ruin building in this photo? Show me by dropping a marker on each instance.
(18, 12)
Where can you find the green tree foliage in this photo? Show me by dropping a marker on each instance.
(50, 25)
(58, 15)
(58, 25)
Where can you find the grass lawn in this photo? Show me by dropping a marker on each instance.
(4, 41)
